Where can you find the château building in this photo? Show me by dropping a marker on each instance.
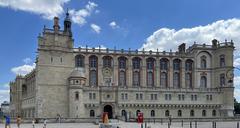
(85, 82)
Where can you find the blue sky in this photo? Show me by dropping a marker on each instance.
(134, 24)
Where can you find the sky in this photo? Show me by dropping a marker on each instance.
(124, 24)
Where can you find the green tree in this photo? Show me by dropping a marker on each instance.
(236, 107)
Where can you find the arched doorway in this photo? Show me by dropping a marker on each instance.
(108, 109)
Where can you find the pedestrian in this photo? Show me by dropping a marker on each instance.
(7, 121)
(33, 123)
(19, 121)
(45, 123)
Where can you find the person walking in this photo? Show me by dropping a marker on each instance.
(45, 123)
(19, 121)
(7, 121)
(33, 123)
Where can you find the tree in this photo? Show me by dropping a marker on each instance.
(236, 107)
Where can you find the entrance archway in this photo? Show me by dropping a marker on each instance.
(108, 109)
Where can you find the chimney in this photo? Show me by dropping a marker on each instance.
(181, 48)
(56, 26)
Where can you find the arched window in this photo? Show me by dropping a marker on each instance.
(179, 113)
(93, 78)
(152, 113)
(79, 61)
(192, 113)
(176, 64)
(214, 113)
(222, 60)
(122, 78)
(93, 62)
(164, 64)
(76, 95)
(122, 63)
(163, 79)
(92, 113)
(189, 65)
(203, 82)
(123, 113)
(222, 80)
(167, 113)
(176, 80)
(136, 78)
(150, 64)
(107, 61)
(188, 80)
(136, 63)
(137, 112)
(150, 79)
(203, 62)
(204, 113)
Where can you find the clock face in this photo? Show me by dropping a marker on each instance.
(230, 75)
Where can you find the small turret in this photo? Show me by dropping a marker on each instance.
(67, 25)
(56, 26)
(182, 48)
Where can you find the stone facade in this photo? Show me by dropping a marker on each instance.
(85, 82)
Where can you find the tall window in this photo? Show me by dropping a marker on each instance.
(76, 95)
(163, 79)
(164, 64)
(152, 113)
(214, 113)
(150, 79)
(188, 80)
(93, 62)
(192, 113)
(93, 78)
(136, 63)
(222, 80)
(122, 78)
(107, 61)
(204, 113)
(189, 65)
(122, 68)
(167, 113)
(222, 60)
(176, 80)
(150, 71)
(176, 64)
(136, 78)
(122, 63)
(92, 113)
(79, 61)
(150, 63)
(203, 62)
(179, 113)
(123, 113)
(203, 82)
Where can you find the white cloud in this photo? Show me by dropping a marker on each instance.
(46, 8)
(4, 92)
(24, 69)
(166, 38)
(236, 62)
(237, 81)
(27, 60)
(79, 16)
(113, 25)
(96, 28)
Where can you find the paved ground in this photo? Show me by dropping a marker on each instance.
(129, 125)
